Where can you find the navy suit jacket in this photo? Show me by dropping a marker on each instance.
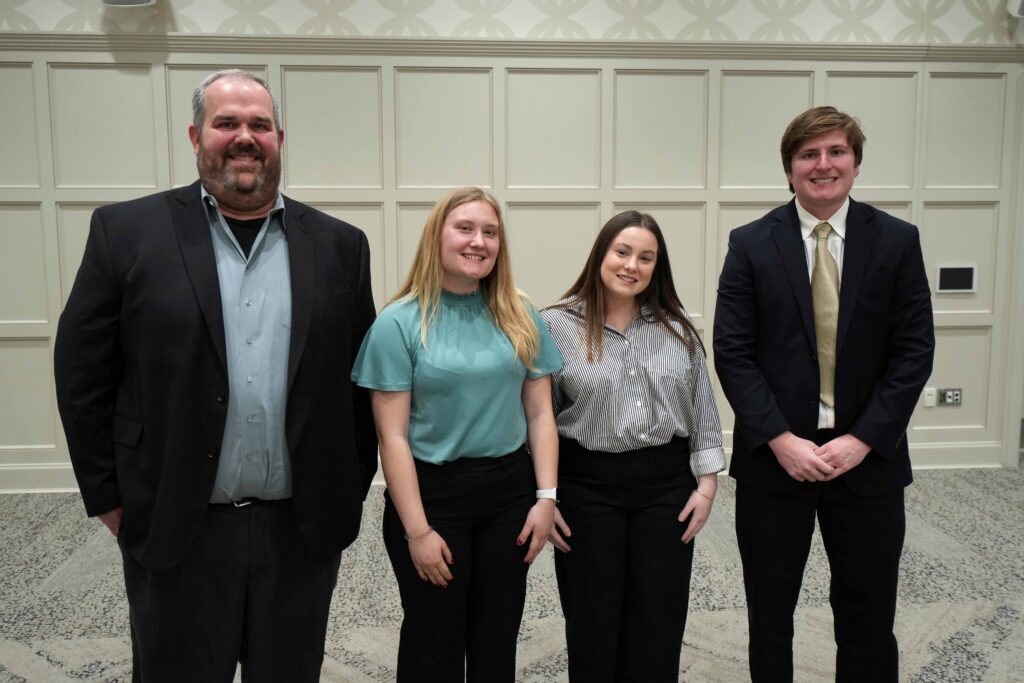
(142, 384)
(766, 352)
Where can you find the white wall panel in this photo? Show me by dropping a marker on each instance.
(733, 215)
(952, 346)
(567, 135)
(23, 276)
(549, 244)
(554, 128)
(72, 232)
(27, 405)
(444, 135)
(902, 210)
(370, 219)
(755, 110)
(684, 231)
(963, 144)
(102, 121)
(181, 81)
(18, 122)
(411, 218)
(332, 123)
(961, 235)
(886, 105)
(660, 128)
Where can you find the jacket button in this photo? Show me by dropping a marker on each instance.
(211, 454)
(221, 398)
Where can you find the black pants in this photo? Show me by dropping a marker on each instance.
(863, 537)
(625, 585)
(247, 591)
(468, 630)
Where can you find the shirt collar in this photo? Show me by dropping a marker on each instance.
(580, 308)
(213, 205)
(836, 220)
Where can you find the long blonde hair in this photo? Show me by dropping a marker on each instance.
(507, 305)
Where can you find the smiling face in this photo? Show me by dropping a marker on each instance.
(823, 169)
(470, 238)
(629, 263)
(238, 150)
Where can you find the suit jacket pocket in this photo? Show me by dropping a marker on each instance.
(126, 431)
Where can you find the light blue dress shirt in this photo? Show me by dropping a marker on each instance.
(256, 300)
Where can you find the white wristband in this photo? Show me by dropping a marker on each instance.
(550, 494)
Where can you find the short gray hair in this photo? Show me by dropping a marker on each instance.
(199, 94)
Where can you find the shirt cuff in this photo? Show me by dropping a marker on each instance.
(707, 461)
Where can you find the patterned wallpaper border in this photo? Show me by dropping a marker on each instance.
(897, 22)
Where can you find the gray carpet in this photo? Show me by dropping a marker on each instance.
(960, 617)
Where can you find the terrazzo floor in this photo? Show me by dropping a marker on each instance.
(960, 617)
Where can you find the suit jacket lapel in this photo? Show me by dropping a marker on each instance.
(193, 227)
(786, 233)
(302, 262)
(861, 233)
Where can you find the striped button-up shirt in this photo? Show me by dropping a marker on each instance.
(644, 390)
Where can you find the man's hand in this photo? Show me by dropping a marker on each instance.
(843, 453)
(112, 519)
(799, 458)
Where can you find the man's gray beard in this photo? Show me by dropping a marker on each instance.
(223, 185)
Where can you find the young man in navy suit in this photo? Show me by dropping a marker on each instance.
(823, 341)
(202, 366)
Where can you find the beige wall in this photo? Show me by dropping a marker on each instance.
(566, 134)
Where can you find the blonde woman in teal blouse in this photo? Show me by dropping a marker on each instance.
(459, 364)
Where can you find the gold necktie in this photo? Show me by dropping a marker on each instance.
(825, 293)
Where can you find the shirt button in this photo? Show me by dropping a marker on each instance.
(249, 340)
(639, 404)
(248, 302)
(250, 419)
(632, 372)
(249, 456)
(643, 437)
(249, 379)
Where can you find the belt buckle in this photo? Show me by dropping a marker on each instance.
(244, 502)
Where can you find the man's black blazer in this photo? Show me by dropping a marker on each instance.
(766, 353)
(142, 383)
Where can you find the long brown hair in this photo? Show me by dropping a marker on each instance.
(660, 295)
(507, 305)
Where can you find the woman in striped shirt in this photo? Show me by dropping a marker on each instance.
(640, 445)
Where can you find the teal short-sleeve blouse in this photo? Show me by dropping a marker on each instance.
(466, 384)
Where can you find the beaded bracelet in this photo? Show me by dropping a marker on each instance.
(417, 537)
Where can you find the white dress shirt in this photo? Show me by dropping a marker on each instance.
(836, 245)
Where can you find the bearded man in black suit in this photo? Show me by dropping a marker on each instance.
(202, 366)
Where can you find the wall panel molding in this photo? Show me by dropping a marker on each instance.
(456, 47)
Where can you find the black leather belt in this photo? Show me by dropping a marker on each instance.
(245, 502)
